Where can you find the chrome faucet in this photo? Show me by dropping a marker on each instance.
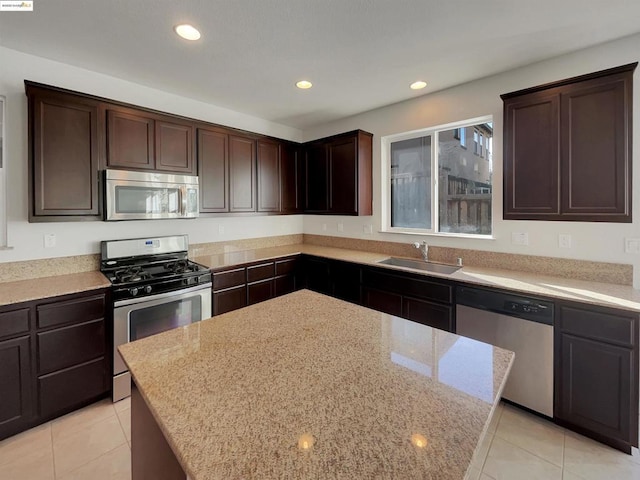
(424, 249)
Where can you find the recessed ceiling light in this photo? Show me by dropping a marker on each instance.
(188, 32)
(418, 85)
(304, 84)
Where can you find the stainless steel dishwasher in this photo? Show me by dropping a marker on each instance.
(521, 324)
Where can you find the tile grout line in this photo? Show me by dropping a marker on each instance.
(53, 452)
(92, 460)
(122, 428)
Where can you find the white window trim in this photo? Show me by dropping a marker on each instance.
(3, 174)
(385, 178)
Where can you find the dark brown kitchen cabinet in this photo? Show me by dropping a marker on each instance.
(339, 174)
(292, 178)
(242, 174)
(53, 358)
(596, 373)
(410, 296)
(16, 406)
(144, 141)
(213, 170)
(71, 352)
(268, 162)
(567, 149)
(64, 156)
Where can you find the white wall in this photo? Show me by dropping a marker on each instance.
(591, 241)
(77, 238)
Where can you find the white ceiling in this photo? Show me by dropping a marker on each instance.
(360, 54)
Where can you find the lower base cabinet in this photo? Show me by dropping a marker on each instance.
(53, 358)
(596, 373)
(16, 408)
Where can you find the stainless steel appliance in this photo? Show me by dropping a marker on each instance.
(155, 288)
(520, 324)
(148, 195)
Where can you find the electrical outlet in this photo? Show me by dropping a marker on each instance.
(341, 227)
(632, 245)
(220, 229)
(519, 238)
(564, 240)
(49, 240)
(324, 227)
(368, 229)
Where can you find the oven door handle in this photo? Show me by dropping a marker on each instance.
(183, 201)
(159, 298)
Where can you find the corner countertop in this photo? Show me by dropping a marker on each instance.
(595, 293)
(373, 396)
(46, 287)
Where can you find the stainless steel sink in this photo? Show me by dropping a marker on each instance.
(420, 265)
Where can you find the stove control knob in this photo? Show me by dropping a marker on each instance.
(147, 289)
(133, 291)
(196, 280)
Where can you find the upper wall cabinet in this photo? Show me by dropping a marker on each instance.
(567, 149)
(141, 140)
(213, 170)
(64, 138)
(338, 174)
(268, 163)
(292, 177)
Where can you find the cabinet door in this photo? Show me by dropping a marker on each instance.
(228, 300)
(174, 147)
(15, 378)
(345, 279)
(242, 174)
(428, 313)
(213, 170)
(595, 387)
(260, 291)
(291, 179)
(64, 157)
(317, 275)
(268, 177)
(317, 178)
(381, 301)
(343, 183)
(596, 149)
(531, 156)
(130, 140)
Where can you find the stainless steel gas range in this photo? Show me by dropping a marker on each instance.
(155, 288)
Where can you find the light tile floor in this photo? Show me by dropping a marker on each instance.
(94, 444)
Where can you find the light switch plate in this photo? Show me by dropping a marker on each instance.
(519, 238)
(49, 240)
(632, 245)
(564, 240)
(341, 227)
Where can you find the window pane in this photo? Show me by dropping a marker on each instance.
(464, 192)
(411, 183)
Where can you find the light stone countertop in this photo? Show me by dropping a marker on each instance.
(374, 396)
(596, 293)
(46, 287)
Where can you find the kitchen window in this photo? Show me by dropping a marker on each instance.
(431, 188)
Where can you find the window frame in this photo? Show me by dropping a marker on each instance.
(3, 173)
(385, 165)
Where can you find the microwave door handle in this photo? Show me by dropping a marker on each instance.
(183, 201)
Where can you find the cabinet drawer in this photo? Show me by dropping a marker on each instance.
(284, 267)
(408, 286)
(63, 347)
(76, 310)
(604, 325)
(285, 284)
(228, 300)
(14, 322)
(61, 391)
(228, 279)
(260, 272)
(260, 291)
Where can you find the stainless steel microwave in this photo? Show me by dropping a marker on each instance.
(149, 195)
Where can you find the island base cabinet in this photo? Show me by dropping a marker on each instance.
(15, 378)
(151, 455)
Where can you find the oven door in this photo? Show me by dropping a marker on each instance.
(141, 317)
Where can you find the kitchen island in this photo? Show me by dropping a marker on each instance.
(306, 386)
